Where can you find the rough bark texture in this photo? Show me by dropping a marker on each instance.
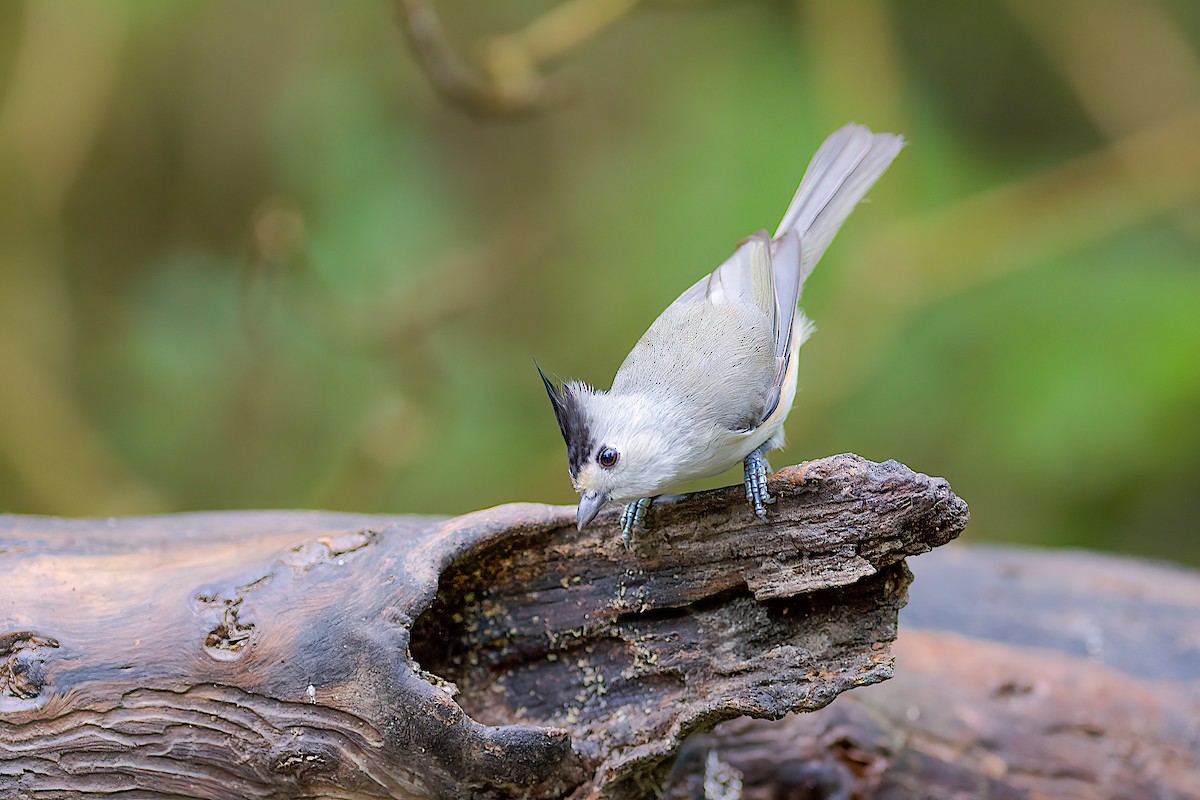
(499, 654)
(1020, 674)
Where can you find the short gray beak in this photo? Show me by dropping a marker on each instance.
(590, 504)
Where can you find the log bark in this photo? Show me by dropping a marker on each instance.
(1020, 674)
(498, 654)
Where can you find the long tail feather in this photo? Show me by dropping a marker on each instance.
(841, 173)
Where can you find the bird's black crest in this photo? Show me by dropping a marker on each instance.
(571, 421)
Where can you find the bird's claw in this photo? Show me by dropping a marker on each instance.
(633, 519)
(757, 469)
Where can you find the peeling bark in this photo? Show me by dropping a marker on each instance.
(498, 654)
(1020, 674)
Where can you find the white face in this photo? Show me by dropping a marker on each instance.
(629, 456)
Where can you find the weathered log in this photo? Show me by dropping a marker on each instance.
(499, 654)
(1020, 674)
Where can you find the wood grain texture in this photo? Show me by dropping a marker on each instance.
(498, 654)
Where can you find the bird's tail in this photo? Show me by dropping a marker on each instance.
(842, 171)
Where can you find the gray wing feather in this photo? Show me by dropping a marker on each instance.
(769, 273)
(746, 276)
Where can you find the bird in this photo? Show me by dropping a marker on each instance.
(712, 381)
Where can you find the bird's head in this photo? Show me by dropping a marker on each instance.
(616, 448)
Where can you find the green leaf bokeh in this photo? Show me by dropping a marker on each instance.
(250, 258)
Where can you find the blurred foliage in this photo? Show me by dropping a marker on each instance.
(249, 257)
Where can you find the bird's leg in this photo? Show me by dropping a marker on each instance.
(633, 518)
(757, 470)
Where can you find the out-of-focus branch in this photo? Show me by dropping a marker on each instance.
(509, 81)
(1130, 65)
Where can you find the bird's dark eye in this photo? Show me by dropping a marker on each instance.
(607, 457)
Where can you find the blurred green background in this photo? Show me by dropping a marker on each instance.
(250, 257)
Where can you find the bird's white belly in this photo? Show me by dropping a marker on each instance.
(726, 452)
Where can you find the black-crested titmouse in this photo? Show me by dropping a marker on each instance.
(713, 379)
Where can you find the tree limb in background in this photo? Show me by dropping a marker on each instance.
(509, 82)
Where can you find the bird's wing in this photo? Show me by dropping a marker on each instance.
(747, 276)
(721, 330)
(769, 273)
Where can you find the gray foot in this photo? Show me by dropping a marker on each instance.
(757, 495)
(633, 518)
